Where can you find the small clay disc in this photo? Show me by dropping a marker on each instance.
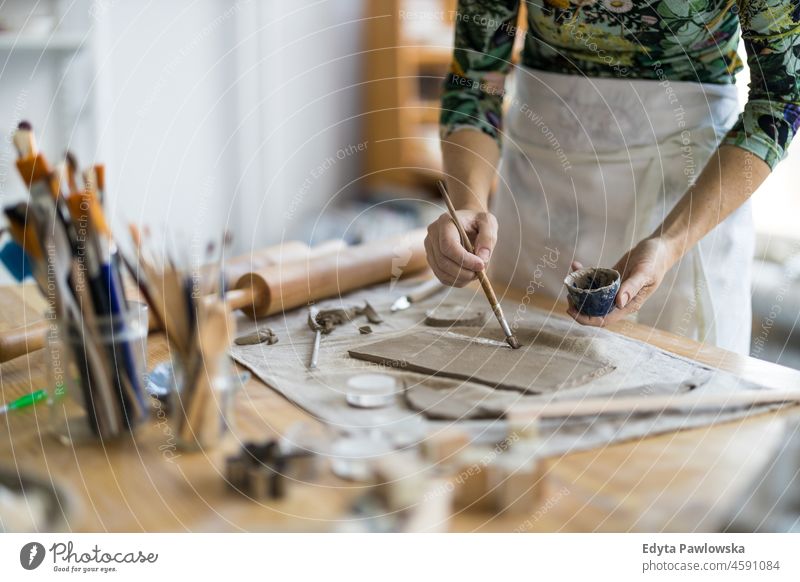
(455, 315)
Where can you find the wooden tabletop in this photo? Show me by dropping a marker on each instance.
(685, 481)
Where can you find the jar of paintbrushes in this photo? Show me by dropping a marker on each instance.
(95, 354)
(97, 367)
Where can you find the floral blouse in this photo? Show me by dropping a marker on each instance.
(681, 40)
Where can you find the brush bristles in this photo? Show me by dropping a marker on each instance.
(512, 341)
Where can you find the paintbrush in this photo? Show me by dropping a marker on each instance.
(99, 171)
(25, 141)
(72, 172)
(32, 165)
(484, 280)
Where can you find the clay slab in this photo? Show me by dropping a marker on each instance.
(541, 366)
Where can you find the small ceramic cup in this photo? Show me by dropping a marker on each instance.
(592, 291)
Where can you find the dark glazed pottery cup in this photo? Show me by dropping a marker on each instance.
(592, 291)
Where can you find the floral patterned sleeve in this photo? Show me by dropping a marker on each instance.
(771, 117)
(473, 92)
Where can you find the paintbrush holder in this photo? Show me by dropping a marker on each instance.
(201, 409)
(97, 370)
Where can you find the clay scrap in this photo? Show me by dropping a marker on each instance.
(547, 362)
(257, 337)
(330, 318)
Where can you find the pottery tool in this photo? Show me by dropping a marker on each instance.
(484, 280)
(280, 288)
(24, 401)
(317, 329)
(424, 291)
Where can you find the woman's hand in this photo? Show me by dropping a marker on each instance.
(642, 269)
(451, 263)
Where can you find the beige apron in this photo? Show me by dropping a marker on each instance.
(592, 166)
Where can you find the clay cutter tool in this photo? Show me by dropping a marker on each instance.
(484, 280)
(317, 329)
(420, 293)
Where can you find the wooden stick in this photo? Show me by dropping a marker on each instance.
(484, 280)
(651, 404)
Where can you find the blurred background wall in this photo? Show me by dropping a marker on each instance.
(207, 113)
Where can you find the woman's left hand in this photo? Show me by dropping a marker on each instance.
(642, 270)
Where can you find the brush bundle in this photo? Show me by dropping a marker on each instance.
(198, 324)
(95, 347)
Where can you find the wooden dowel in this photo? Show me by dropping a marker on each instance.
(651, 404)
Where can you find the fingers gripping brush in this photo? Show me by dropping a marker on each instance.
(484, 280)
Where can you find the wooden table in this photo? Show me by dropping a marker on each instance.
(684, 481)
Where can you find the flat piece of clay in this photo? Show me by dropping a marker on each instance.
(445, 399)
(543, 365)
(455, 315)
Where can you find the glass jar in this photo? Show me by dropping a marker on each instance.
(97, 370)
(201, 409)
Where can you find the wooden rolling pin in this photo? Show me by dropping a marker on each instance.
(20, 341)
(236, 267)
(283, 287)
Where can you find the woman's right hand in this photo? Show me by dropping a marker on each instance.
(451, 263)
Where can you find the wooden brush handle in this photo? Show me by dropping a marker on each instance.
(452, 210)
(484, 280)
(488, 289)
(18, 342)
(34, 168)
